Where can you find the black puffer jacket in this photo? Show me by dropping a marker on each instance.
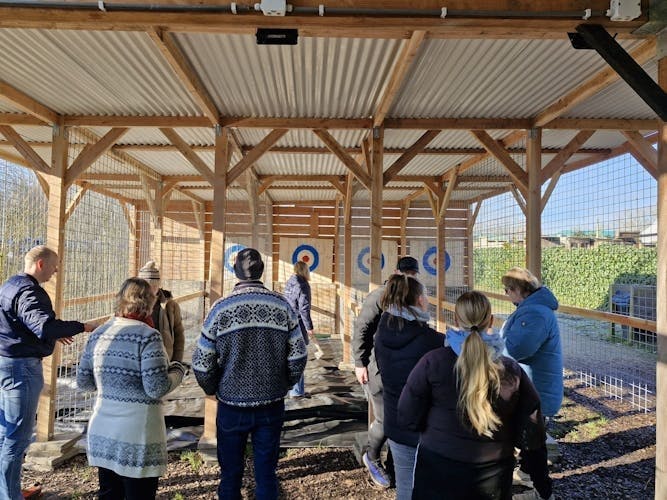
(397, 351)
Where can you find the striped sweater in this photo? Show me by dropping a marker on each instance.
(125, 361)
(251, 350)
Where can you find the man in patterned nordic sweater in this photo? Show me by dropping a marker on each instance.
(249, 354)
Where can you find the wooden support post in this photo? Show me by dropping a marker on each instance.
(55, 240)
(157, 235)
(405, 210)
(347, 266)
(440, 273)
(661, 320)
(216, 266)
(472, 218)
(335, 271)
(376, 208)
(251, 188)
(130, 213)
(534, 202)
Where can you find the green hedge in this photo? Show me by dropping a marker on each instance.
(579, 277)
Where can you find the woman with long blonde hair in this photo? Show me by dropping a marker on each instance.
(472, 407)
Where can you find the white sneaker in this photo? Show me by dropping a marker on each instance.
(319, 352)
(531, 495)
(520, 478)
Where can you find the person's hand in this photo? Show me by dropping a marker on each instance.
(89, 327)
(66, 340)
(362, 374)
(311, 333)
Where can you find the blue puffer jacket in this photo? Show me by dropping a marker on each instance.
(532, 338)
(28, 324)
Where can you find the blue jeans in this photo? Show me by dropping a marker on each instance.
(21, 381)
(299, 388)
(404, 466)
(264, 424)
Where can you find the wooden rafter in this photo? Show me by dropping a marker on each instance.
(444, 201)
(565, 154)
(193, 158)
(186, 192)
(185, 72)
(376, 23)
(26, 103)
(642, 150)
(148, 196)
(497, 150)
(91, 153)
(520, 201)
(254, 155)
(601, 124)
(335, 147)
(31, 157)
(405, 59)
(590, 87)
(411, 152)
(75, 201)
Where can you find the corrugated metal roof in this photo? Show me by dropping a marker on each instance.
(493, 78)
(292, 194)
(171, 162)
(300, 164)
(319, 77)
(618, 100)
(89, 72)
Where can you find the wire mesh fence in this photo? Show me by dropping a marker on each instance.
(598, 253)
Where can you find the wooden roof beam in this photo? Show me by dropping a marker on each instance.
(498, 23)
(91, 153)
(642, 54)
(185, 72)
(354, 167)
(25, 150)
(193, 158)
(406, 157)
(26, 103)
(565, 154)
(642, 150)
(497, 150)
(405, 60)
(254, 155)
(601, 124)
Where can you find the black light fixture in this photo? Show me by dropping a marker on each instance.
(277, 36)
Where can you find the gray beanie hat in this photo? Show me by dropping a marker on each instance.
(149, 271)
(248, 265)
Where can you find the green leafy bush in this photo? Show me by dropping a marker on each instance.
(579, 276)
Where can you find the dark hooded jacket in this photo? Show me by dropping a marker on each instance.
(397, 351)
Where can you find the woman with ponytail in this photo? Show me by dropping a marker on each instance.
(402, 338)
(472, 407)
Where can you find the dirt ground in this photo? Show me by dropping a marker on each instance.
(607, 452)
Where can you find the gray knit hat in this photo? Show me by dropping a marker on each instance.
(149, 271)
(248, 265)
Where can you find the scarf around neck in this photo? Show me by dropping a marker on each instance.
(411, 313)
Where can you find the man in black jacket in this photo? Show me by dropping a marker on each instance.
(28, 332)
(368, 375)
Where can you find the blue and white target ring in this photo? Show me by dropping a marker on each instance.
(230, 256)
(308, 254)
(364, 260)
(430, 261)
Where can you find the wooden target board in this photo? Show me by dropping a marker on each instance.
(317, 253)
(361, 261)
(426, 252)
